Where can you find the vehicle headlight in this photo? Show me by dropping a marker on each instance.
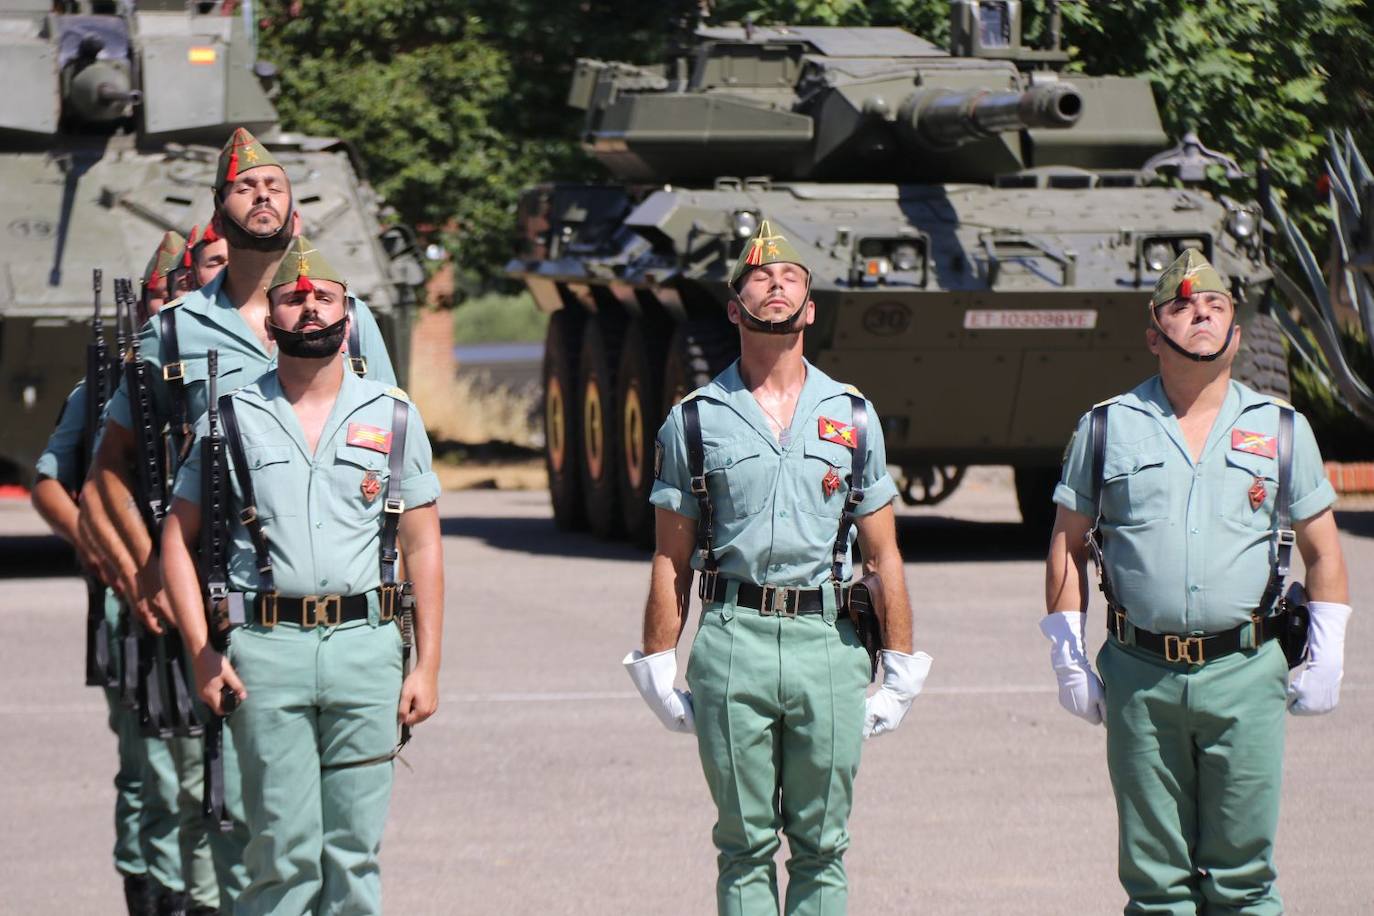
(905, 257)
(1242, 223)
(1158, 255)
(746, 223)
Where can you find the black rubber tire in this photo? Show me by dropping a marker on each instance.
(697, 352)
(1262, 363)
(639, 414)
(596, 370)
(562, 423)
(1034, 497)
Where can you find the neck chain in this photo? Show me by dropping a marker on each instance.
(784, 432)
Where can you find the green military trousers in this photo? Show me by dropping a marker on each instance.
(131, 852)
(318, 700)
(1196, 760)
(779, 706)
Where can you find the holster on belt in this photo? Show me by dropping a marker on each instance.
(867, 608)
(1293, 635)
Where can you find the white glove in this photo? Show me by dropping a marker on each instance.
(903, 677)
(1317, 689)
(1080, 689)
(653, 676)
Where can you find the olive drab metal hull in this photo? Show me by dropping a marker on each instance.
(86, 183)
(983, 232)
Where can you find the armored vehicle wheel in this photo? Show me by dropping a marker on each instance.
(562, 424)
(596, 367)
(697, 352)
(639, 396)
(1262, 363)
(1034, 497)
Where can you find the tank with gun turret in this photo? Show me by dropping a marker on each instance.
(983, 229)
(110, 124)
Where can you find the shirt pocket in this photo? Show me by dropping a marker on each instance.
(1242, 472)
(822, 461)
(196, 377)
(274, 483)
(359, 477)
(1135, 487)
(735, 476)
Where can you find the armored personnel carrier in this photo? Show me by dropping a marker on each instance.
(111, 119)
(983, 231)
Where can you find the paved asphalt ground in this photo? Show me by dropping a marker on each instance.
(543, 786)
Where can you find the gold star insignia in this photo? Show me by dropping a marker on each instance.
(251, 155)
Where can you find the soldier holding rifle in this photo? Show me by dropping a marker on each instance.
(762, 479)
(328, 473)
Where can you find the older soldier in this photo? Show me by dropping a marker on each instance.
(163, 871)
(1184, 480)
(335, 467)
(255, 214)
(768, 469)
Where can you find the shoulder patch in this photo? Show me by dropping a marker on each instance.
(852, 390)
(398, 393)
(1280, 401)
(1111, 400)
(694, 394)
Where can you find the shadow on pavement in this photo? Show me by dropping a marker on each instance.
(923, 539)
(1359, 523)
(28, 556)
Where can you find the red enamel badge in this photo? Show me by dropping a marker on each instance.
(1254, 443)
(373, 437)
(1257, 493)
(371, 486)
(837, 432)
(830, 483)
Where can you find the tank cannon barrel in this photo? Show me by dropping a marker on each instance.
(942, 118)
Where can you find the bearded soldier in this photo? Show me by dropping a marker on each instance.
(766, 474)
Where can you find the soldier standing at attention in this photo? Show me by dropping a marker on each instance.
(1191, 499)
(334, 467)
(768, 470)
(255, 215)
(163, 871)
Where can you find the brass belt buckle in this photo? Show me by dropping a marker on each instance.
(706, 589)
(321, 610)
(1183, 649)
(387, 594)
(769, 606)
(269, 609)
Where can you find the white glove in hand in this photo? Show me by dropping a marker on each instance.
(903, 677)
(653, 676)
(1080, 689)
(1317, 689)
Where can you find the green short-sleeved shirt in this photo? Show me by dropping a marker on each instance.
(775, 516)
(1186, 547)
(61, 458)
(322, 523)
(207, 320)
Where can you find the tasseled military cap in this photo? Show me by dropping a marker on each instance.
(1189, 274)
(766, 247)
(241, 152)
(165, 258)
(302, 264)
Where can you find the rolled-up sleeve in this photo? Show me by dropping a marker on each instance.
(672, 475)
(1075, 488)
(1312, 492)
(879, 487)
(419, 485)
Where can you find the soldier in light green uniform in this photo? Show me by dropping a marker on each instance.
(777, 673)
(254, 214)
(318, 665)
(1193, 677)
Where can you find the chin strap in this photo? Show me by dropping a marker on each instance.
(785, 326)
(1195, 357)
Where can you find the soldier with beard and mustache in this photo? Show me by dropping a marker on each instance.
(255, 214)
(336, 467)
(767, 472)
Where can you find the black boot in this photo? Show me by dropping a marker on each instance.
(140, 895)
(172, 903)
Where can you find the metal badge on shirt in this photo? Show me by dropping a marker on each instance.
(371, 486)
(373, 437)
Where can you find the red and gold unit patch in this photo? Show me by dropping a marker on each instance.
(373, 437)
(1257, 493)
(371, 486)
(1254, 443)
(830, 483)
(837, 432)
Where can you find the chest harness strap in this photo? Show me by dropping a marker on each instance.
(786, 601)
(1263, 624)
(356, 361)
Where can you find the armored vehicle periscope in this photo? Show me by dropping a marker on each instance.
(110, 122)
(983, 232)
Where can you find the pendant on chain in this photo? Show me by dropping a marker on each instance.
(785, 438)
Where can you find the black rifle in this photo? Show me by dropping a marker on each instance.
(100, 381)
(223, 610)
(132, 638)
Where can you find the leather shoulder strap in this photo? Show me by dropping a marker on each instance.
(356, 361)
(392, 504)
(249, 513)
(858, 461)
(1282, 536)
(696, 467)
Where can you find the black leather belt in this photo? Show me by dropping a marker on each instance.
(769, 600)
(309, 610)
(1194, 650)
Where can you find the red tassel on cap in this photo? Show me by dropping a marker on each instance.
(210, 235)
(303, 285)
(232, 172)
(1185, 287)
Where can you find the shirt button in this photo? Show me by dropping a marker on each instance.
(1195, 531)
(1192, 588)
(782, 514)
(326, 582)
(321, 525)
